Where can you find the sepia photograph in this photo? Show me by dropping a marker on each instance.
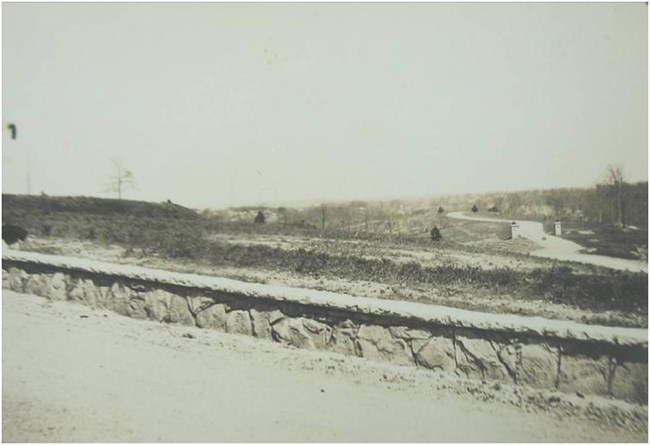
(324, 222)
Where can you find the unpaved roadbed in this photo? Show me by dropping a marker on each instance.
(71, 373)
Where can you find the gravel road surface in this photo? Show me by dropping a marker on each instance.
(74, 374)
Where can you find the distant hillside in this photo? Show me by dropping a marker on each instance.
(110, 220)
(17, 205)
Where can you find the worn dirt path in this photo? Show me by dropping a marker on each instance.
(559, 248)
(71, 373)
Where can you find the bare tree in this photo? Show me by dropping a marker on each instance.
(120, 179)
(615, 181)
(514, 202)
(556, 200)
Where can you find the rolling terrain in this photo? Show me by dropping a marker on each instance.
(475, 265)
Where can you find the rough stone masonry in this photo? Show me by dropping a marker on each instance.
(531, 351)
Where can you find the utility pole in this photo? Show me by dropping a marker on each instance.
(322, 210)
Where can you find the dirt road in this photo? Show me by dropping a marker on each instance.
(71, 373)
(559, 248)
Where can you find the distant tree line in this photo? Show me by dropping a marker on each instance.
(613, 201)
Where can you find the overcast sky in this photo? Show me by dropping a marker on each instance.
(226, 104)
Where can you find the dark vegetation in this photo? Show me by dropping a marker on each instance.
(32, 205)
(175, 232)
(260, 218)
(12, 234)
(610, 240)
(615, 290)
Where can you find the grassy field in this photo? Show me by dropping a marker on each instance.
(472, 259)
(621, 242)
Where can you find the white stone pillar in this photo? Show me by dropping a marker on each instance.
(514, 230)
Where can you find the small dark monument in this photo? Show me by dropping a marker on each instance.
(474, 208)
(435, 234)
(12, 234)
(260, 219)
(441, 210)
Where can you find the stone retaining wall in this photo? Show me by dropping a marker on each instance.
(545, 354)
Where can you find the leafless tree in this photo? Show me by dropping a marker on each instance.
(556, 199)
(615, 181)
(121, 178)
